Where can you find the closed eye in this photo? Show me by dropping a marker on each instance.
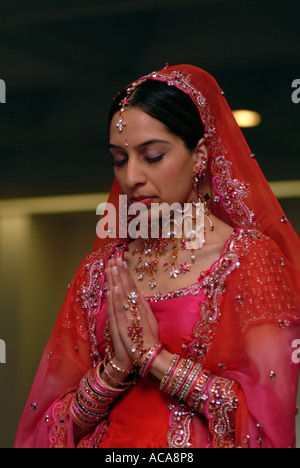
(156, 159)
(119, 163)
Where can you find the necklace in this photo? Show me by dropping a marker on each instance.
(150, 251)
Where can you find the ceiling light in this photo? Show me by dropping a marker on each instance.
(247, 118)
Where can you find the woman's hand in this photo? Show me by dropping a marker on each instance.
(120, 318)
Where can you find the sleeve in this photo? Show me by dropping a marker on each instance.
(255, 347)
(205, 393)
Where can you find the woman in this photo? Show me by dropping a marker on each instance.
(171, 341)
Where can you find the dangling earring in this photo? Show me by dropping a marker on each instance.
(199, 172)
(196, 176)
(197, 235)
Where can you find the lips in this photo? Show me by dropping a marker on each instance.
(145, 199)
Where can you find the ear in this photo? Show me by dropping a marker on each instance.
(201, 155)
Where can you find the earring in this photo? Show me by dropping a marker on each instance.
(196, 232)
(197, 176)
(199, 172)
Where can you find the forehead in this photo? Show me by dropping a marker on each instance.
(138, 125)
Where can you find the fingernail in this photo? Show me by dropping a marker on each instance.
(115, 270)
(120, 261)
(116, 290)
(125, 265)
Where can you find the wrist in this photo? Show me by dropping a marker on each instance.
(149, 358)
(116, 375)
(161, 364)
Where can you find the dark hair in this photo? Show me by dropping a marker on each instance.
(168, 104)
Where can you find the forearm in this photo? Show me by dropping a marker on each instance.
(93, 400)
(161, 364)
(192, 384)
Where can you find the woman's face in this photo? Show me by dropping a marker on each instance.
(151, 164)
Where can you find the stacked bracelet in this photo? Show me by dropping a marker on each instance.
(149, 359)
(119, 369)
(115, 381)
(186, 380)
(93, 399)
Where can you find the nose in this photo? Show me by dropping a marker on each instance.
(135, 175)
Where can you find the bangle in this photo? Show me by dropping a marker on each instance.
(113, 379)
(119, 369)
(149, 359)
(186, 380)
(168, 375)
(93, 399)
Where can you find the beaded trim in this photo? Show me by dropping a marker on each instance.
(92, 292)
(214, 287)
(220, 402)
(193, 290)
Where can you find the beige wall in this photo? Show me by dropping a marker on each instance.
(39, 255)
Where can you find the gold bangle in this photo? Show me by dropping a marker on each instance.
(119, 369)
(114, 380)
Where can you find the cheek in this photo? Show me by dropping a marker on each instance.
(180, 173)
(177, 183)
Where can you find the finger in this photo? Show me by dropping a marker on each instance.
(110, 311)
(109, 278)
(125, 286)
(111, 319)
(114, 282)
(116, 321)
(149, 317)
(126, 276)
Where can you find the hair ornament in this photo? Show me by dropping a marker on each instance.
(124, 102)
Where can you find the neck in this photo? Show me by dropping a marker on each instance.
(164, 252)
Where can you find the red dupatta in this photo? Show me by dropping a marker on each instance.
(242, 195)
(256, 313)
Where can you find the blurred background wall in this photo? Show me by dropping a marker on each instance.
(62, 63)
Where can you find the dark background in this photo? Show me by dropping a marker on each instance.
(63, 61)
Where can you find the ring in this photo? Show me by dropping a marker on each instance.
(126, 306)
(133, 296)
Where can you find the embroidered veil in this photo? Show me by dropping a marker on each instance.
(248, 323)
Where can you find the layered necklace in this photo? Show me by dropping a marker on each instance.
(150, 251)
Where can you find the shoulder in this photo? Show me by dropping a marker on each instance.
(259, 262)
(104, 254)
(260, 288)
(262, 267)
(95, 262)
(250, 243)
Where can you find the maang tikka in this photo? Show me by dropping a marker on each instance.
(124, 102)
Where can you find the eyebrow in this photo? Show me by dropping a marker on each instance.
(146, 143)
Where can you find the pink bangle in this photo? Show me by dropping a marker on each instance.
(151, 355)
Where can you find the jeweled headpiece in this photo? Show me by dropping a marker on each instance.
(124, 102)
